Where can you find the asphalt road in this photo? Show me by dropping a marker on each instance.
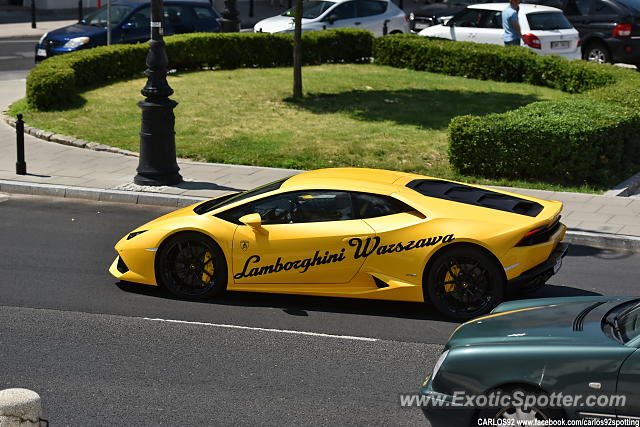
(17, 54)
(89, 345)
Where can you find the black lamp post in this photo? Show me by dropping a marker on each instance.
(157, 165)
(230, 22)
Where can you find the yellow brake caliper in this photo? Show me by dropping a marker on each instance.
(207, 274)
(450, 287)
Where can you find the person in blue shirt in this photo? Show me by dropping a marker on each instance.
(512, 35)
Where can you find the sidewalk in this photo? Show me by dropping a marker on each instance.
(56, 169)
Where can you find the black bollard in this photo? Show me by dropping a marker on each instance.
(33, 13)
(385, 27)
(21, 166)
(401, 5)
(251, 8)
(80, 10)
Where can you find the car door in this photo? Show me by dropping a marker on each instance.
(602, 18)
(491, 31)
(465, 25)
(303, 238)
(628, 380)
(342, 16)
(371, 15)
(136, 29)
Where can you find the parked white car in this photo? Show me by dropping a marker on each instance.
(372, 15)
(545, 30)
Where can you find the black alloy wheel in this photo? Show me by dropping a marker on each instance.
(464, 282)
(191, 265)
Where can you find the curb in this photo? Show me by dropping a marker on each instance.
(574, 236)
(626, 188)
(95, 194)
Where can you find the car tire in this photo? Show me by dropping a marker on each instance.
(464, 282)
(519, 413)
(190, 265)
(597, 52)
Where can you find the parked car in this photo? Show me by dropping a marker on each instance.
(437, 12)
(584, 348)
(130, 23)
(378, 16)
(609, 29)
(544, 29)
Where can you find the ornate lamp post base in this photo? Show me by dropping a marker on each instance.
(157, 164)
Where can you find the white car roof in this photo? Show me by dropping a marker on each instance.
(524, 7)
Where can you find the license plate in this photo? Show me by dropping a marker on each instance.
(560, 45)
(557, 265)
(42, 52)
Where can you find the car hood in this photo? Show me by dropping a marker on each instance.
(569, 321)
(277, 24)
(76, 30)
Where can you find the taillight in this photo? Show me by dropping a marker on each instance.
(622, 30)
(406, 17)
(527, 239)
(532, 41)
(579, 42)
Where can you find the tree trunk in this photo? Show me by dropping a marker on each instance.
(297, 51)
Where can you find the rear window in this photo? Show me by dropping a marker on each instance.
(548, 21)
(634, 5)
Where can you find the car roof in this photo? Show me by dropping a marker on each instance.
(524, 7)
(354, 176)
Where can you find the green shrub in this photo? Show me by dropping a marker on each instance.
(55, 82)
(592, 137)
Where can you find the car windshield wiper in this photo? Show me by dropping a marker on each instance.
(615, 327)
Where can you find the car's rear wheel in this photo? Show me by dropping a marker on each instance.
(597, 52)
(191, 265)
(464, 282)
(516, 414)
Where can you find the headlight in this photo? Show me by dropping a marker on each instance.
(134, 234)
(412, 16)
(43, 38)
(438, 364)
(76, 42)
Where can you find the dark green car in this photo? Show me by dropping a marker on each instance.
(540, 359)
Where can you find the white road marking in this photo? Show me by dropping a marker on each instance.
(251, 328)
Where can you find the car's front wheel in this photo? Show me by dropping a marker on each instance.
(538, 413)
(464, 282)
(191, 265)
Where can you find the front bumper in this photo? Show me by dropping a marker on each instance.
(539, 274)
(441, 411)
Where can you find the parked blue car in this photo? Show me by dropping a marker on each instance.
(130, 23)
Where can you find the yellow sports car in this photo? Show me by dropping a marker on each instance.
(352, 232)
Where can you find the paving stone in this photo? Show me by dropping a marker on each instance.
(598, 227)
(592, 217)
(630, 230)
(625, 220)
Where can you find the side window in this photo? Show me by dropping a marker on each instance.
(181, 18)
(142, 18)
(296, 207)
(602, 8)
(375, 205)
(345, 11)
(578, 7)
(492, 19)
(204, 13)
(468, 18)
(370, 8)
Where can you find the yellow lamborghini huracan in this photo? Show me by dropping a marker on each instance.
(351, 232)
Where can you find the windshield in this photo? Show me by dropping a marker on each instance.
(99, 17)
(624, 321)
(227, 199)
(311, 9)
(548, 21)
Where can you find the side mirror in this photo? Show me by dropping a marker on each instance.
(332, 18)
(252, 220)
(129, 25)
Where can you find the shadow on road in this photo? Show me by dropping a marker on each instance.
(602, 253)
(300, 305)
(201, 185)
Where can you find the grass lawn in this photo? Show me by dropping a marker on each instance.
(352, 115)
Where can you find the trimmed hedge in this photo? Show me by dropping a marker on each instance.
(592, 137)
(56, 81)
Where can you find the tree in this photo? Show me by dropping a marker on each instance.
(297, 50)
